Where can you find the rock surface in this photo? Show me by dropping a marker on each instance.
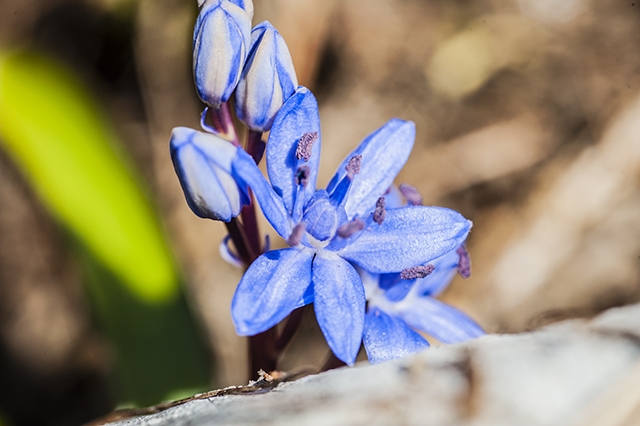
(576, 372)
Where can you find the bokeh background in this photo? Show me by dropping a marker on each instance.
(113, 292)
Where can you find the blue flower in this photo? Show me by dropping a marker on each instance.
(221, 40)
(268, 79)
(247, 6)
(329, 230)
(203, 164)
(398, 307)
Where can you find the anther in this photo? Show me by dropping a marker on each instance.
(416, 272)
(302, 175)
(305, 145)
(296, 235)
(411, 194)
(353, 166)
(464, 262)
(348, 229)
(380, 212)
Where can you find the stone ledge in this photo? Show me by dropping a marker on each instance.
(576, 372)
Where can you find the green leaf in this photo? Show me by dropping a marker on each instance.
(58, 137)
(65, 148)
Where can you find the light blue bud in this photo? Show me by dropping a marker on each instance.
(246, 5)
(268, 79)
(203, 164)
(221, 38)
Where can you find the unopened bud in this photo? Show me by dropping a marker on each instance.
(267, 81)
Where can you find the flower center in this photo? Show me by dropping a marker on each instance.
(321, 217)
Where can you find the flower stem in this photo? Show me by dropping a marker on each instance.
(223, 123)
(240, 241)
(250, 225)
(262, 352)
(255, 145)
(290, 328)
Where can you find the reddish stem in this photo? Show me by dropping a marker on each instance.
(223, 123)
(240, 241)
(255, 145)
(290, 328)
(262, 352)
(250, 224)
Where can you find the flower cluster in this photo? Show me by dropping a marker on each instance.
(369, 264)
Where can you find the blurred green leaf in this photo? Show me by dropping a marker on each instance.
(56, 134)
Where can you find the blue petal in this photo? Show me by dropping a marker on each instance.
(298, 116)
(393, 198)
(246, 5)
(321, 217)
(398, 289)
(384, 153)
(245, 170)
(273, 286)
(445, 269)
(203, 164)
(339, 304)
(387, 338)
(267, 81)
(407, 237)
(220, 45)
(439, 320)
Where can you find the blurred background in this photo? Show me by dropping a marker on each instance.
(113, 292)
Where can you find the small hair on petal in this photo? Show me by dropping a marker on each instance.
(380, 212)
(464, 263)
(411, 194)
(305, 145)
(348, 229)
(416, 272)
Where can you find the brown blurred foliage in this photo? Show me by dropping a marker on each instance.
(528, 121)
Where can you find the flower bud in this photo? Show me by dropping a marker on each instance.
(246, 5)
(221, 39)
(268, 79)
(203, 164)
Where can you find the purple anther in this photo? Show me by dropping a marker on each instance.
(380, 213)
(353, 166)
(348, 229)
(464, 263)
(416, 272)
(305, 145)
(296, 235)
(302, 175)
(411, 194)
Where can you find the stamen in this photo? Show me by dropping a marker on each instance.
(380, 213)
(416, 272)
(464, 263)
(411, 194)
(296, 235)
(305, 145)
(353, 167)
(302, 175)
(348, 229)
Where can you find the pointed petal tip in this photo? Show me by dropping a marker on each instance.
(339, 305)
